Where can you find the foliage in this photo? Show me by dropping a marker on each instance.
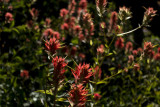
(80, 55)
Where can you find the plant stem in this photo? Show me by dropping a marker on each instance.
(121, 34)
(55, 92)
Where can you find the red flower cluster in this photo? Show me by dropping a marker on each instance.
(48, 32)
(83, 4)
(119, 44)
(136, 67)
(78, 96)
(59, 65)
(47, 22)
(71, 6)
(100, 5)
(158, 49)
(157, 56)
(129, 47)
(82, 73)
(97, 96)
(148, 48)
(100, 49)
(88, 23)
(148, 15)
(63, 12)
(52, 45)
(135, 52)
(113, 21)
(97, 73)
(24, 74)
(34, 13)
(130, 59)
(8, 17)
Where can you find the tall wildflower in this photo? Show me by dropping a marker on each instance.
(59, 65)
(63, 12)
(52, 45)
(157, 56)
(101, 5)
(148, 15)
(100, 49)
(77, 96)
(34, 13)
(124, 13)
(24, 74)
(88, 24)
(48, 32)
(71, 6)
(97, 73)
(130, 59)
(136, 67)
(129, 47)
(158, 49)
(119, 44)
(47, 22)
(8, 17)
(148, 48)
(83, 4)
(113, 21)
(82, 73)
(97, 96)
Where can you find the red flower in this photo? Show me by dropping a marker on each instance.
(71, 6)
(157, 56)
(100, 49)
(47, 22)
(82, 73)
(113, 21)
(73, 50)
(148, 48)
(48, 32)
(97, 72)
(8, 17)
(136, 67)
(34, 13)
(130, 58)
(129, 46)
(151, 55)
(77, 29)
(148, 15)
(63, 13)
(97, 96)
(56, 35)
(83, 4)
(82, 56)
(119, 44)
(158, 49)
(52, 45)
(139, 50)
(59, 65)
(100, 5)
(134, 52)
(24, 74)
(78, 96)
(65, 26)
(81, 36)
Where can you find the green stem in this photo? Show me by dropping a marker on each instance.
(121, 34)
(55, 92)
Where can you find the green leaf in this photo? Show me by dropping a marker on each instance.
(91, 42)
(112, 69)
(75, 41)
(91, 88)
(109, 54)
(49, 92)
